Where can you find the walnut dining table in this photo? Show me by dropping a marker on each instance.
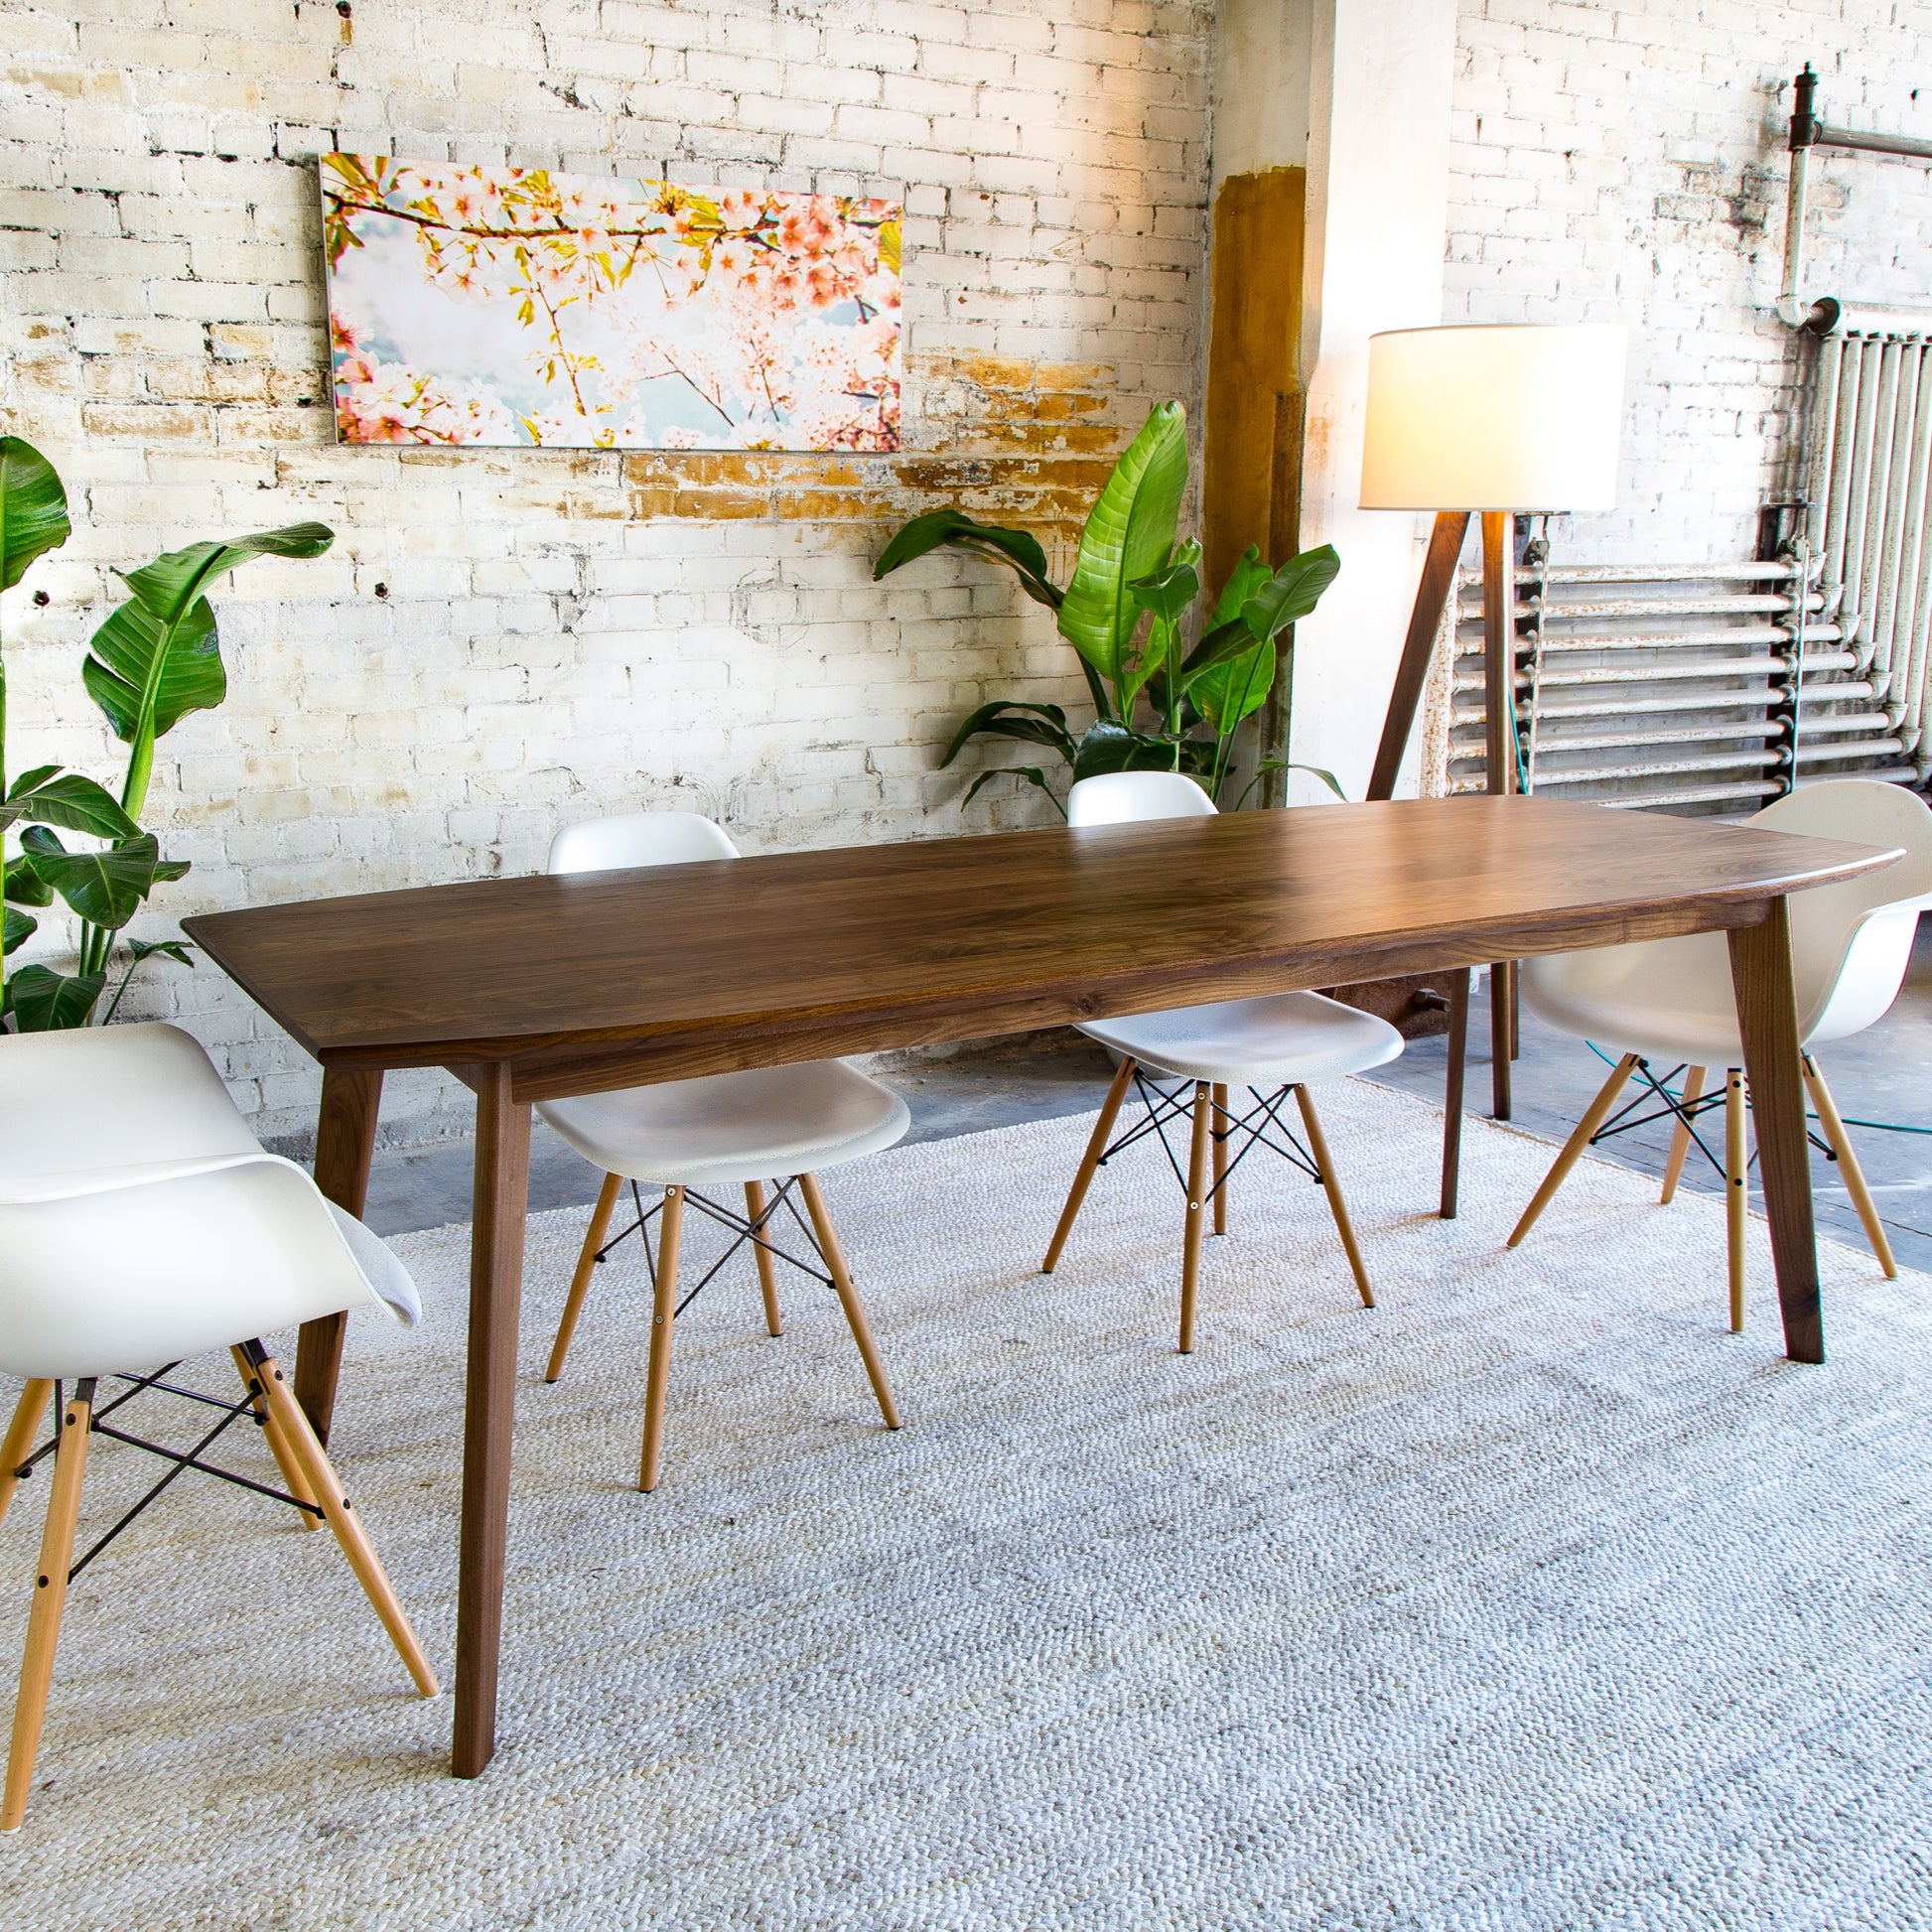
(534, 989)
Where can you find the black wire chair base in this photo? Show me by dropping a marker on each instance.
(740, 1226)
(1165, 1107)
(1686, 1113)
(230, 1413)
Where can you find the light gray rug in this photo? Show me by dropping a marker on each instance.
(1529, 1598)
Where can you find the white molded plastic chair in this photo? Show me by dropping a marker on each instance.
(720, 1130)
(141, 1223)
(1273, 1046)
(1670, 1001)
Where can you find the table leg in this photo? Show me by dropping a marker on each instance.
(1767, 1015)
(1458, 1048)
(345, 1140)
(1503, 990)
(503, 1190)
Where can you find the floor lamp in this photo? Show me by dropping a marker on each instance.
(1488, 420)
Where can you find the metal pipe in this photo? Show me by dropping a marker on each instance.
(1909, 620)
(1908, 360)
(1774, 569)
(1857, 503)
(1846, 137)
(1839, 494)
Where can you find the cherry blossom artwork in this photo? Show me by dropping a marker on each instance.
(523, 305)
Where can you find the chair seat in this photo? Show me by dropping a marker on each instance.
(1279, 1039)
(733, 1127)
(1668, 999)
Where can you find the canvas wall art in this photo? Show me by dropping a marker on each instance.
(519, 305)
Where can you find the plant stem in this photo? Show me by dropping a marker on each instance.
(3, 836)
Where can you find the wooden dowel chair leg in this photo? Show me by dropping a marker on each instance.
(1332, 1186)
(1848, 1166)
(1197, 1217)
(1573, 1149)
(1680, 1140)
(854, 1312)
(293, 1475)
(49, 1598)
(580, 1284)
(341, 1514)
(663, 1310)
(1737, 1196)
(1220, 1124)
(21, 1432)
(1096, 1146)
(768, 1278)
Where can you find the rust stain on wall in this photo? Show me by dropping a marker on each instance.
(1028, 443)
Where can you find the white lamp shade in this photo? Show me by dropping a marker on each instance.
(1518, 416)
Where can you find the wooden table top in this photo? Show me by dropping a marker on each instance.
(592, 980)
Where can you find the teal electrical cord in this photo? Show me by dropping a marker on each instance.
(1882, 1126)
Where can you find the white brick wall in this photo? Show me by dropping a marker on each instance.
(502, 642)
(1627, 162)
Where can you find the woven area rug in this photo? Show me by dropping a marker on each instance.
(1529, 1598)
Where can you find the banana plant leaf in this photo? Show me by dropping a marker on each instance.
(16, 928)
(1293, 592)
(42, 1001)
(157, 658)
(955, 527)
(1168, 595)
(105, 888)
(1244, 580)
(1005, 718)
(139, 950)
(74, 803)
(1111, 747)
(1129, 534)
(1267, 765)
(33, 509)
(1032, 774)
(1236, 688)
(24, 885)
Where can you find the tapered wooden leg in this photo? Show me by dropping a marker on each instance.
(345, 1142)
(1573, 1149)
(1458, 1053)
(501, 1192)
(1221, 1160)
(1736, 1192)
(1196, 1217)
(1848, 1166)
(341, 1514)
(670, 1231)
(294, 1476)
(1501, 977)
(1332, 1186)
(1680, 1140)
(768, 1275)
(1096, 1146)
(579, 1283)
(854, 1312)
(49, 1598)
(1767, 1015)
(21, 1432)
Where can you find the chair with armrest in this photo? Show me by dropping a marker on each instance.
(1273, 1046)
(786, 1124)
(142, 1223)
(1668, 1002)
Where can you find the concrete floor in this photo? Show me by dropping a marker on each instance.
(1878, 1076)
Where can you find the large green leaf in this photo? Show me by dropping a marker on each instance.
(127, 657)
(24, 885)
(105, 888)
(167, 587)
(1008, 718)
(77, 804)
(1244, 580)
(33, 508)
(42, 1001)
(1167, 595)
(1236, 687)
(955, 528)
(1292, 592)
(1111, 747)
(16, 928)
(1129, 534)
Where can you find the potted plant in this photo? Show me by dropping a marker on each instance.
(1165, 699)
(153, 661)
